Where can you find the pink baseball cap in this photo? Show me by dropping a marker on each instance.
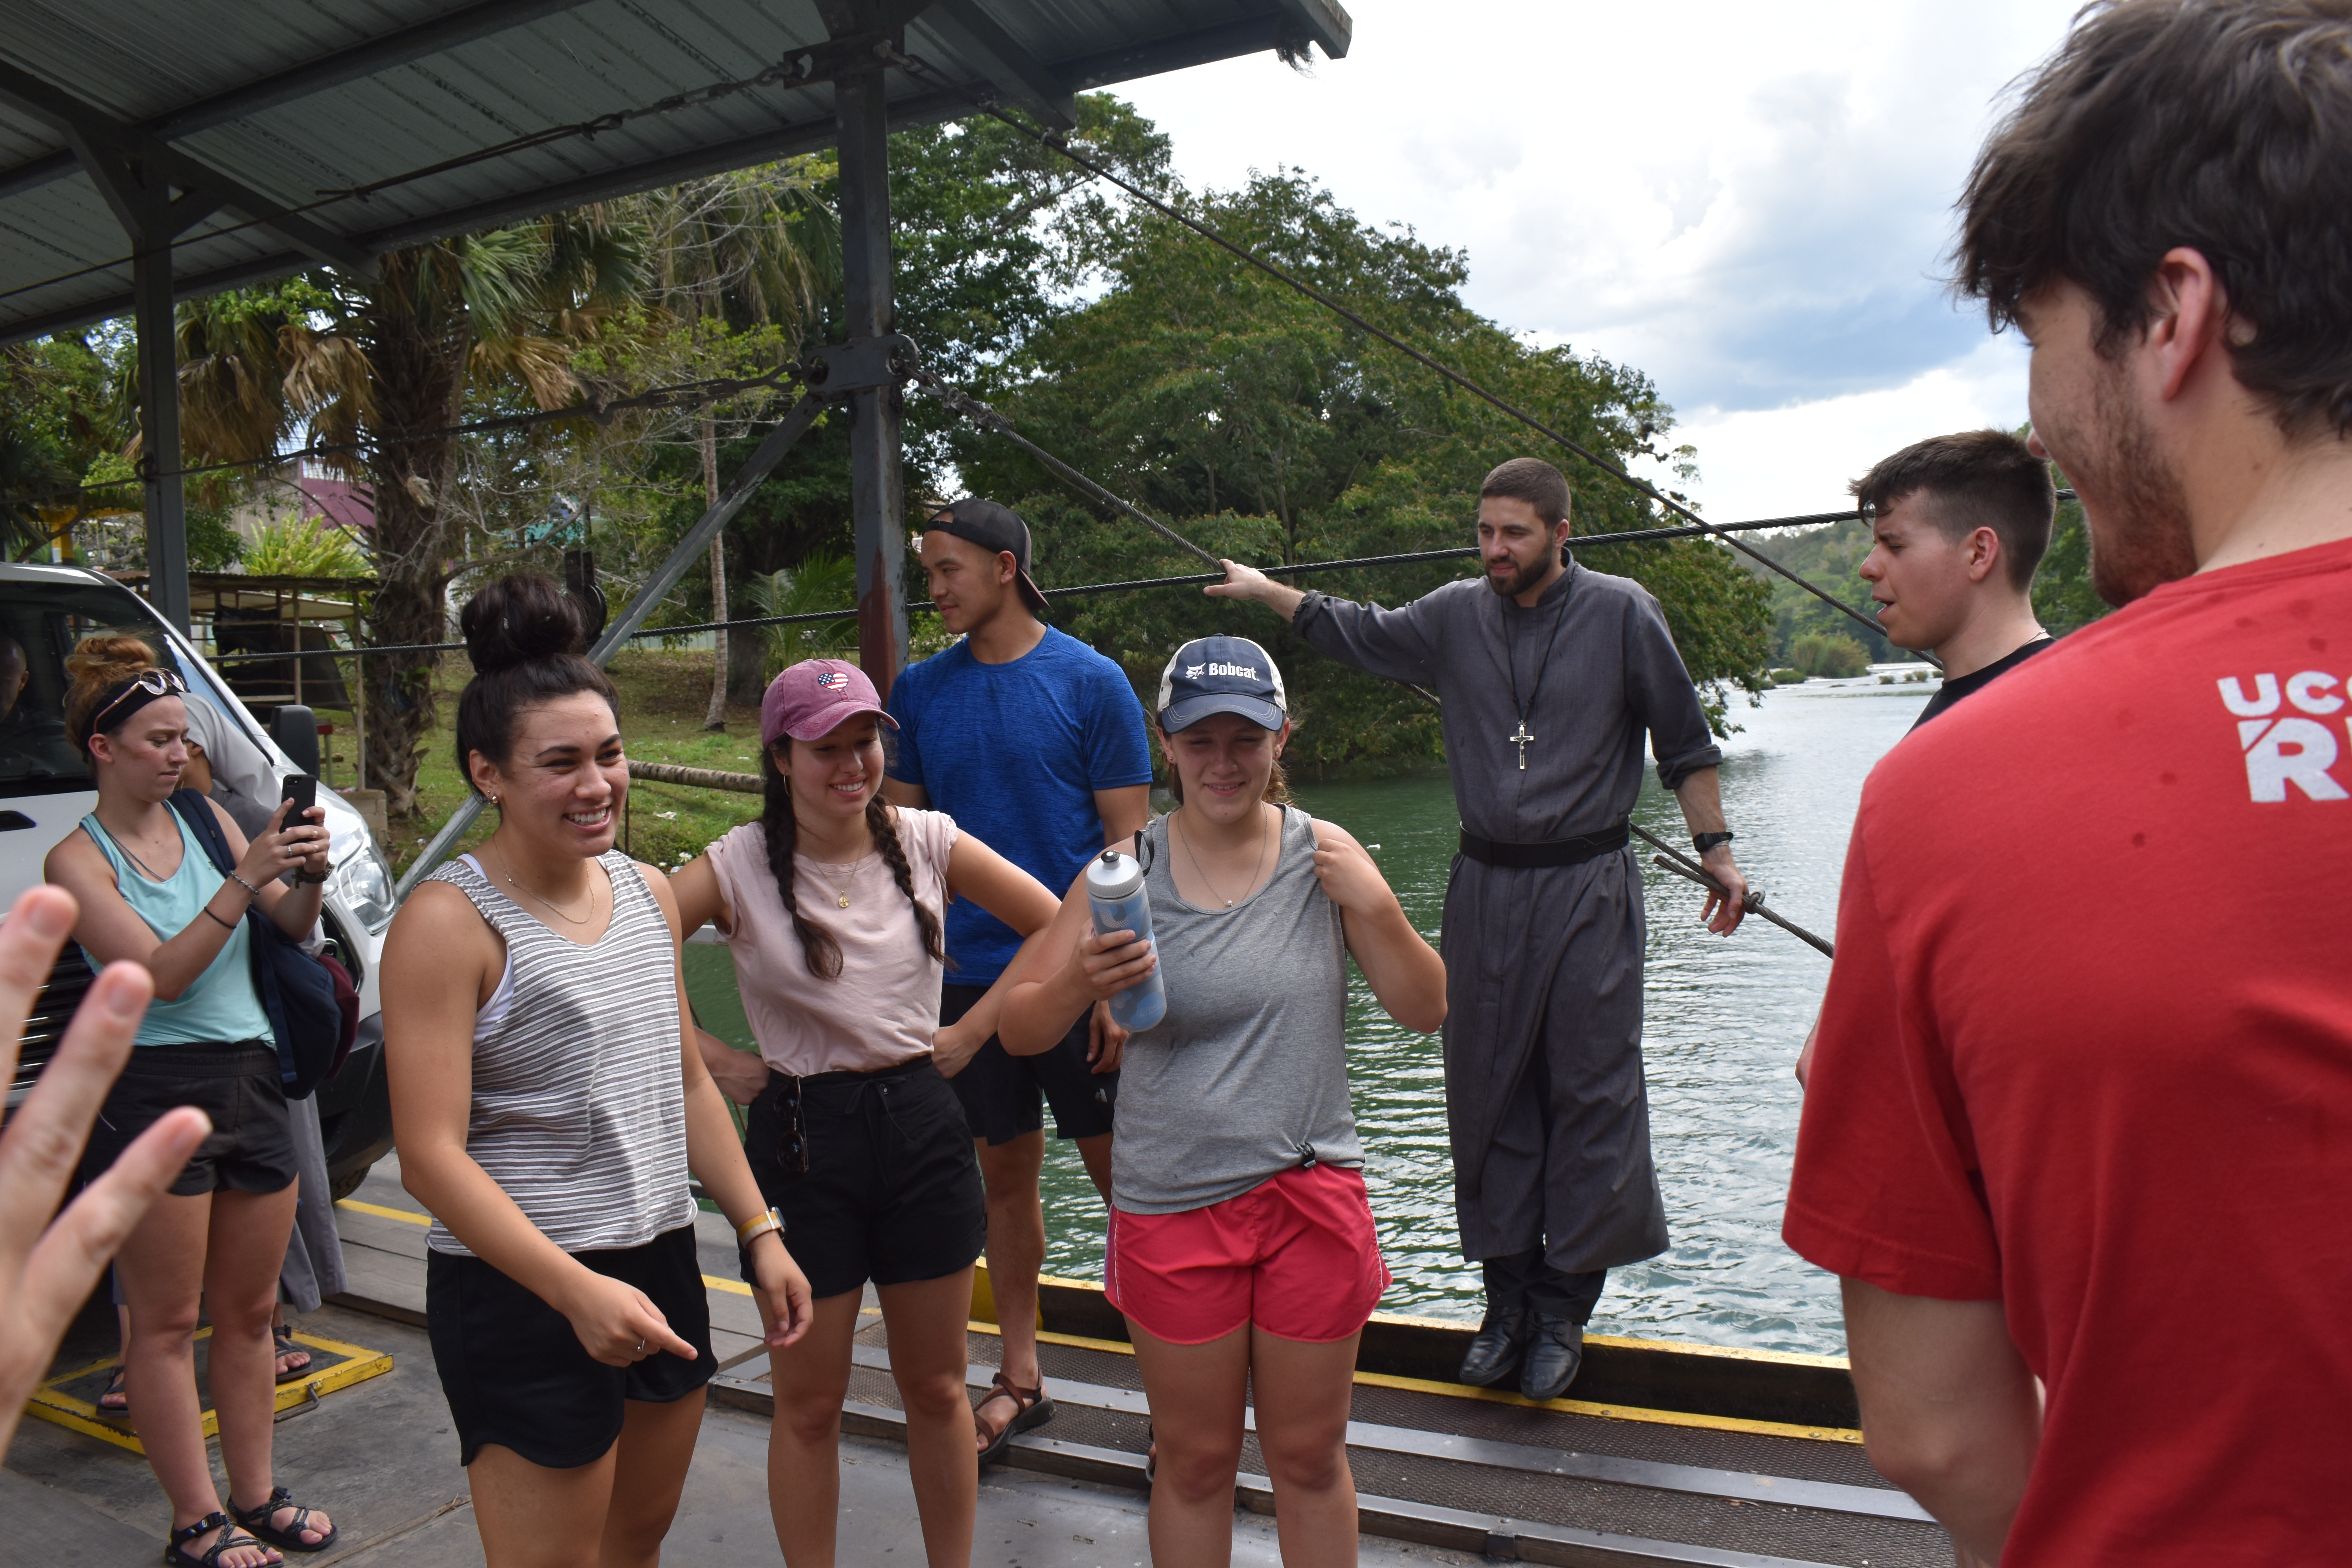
(816, 697)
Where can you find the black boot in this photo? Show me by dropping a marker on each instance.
(1495, 1351)
(1555, 1352)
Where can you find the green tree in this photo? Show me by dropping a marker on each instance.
(56, 420)
(990, 234)
(2063, 599)
(483, 322)
(752, 249)
(822, 582)
(1825, 557)
(1831, 654)
(303, 547)
(1269, 430)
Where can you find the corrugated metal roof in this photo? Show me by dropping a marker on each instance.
(296, 101)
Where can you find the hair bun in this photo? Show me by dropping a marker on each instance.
(518, 619)
(102, 658)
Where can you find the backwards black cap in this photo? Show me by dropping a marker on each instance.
(994, 527)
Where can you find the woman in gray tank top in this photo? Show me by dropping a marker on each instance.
(549, 1107)
(1242, 1247)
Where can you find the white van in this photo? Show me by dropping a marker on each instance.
(46, 789)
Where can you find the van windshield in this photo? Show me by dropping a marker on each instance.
(39, 624)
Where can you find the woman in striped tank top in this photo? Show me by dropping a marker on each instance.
(549, 1106)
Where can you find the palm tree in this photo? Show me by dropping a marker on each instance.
(753, 248)
(822, 582)
(383, 367)
(380, 368)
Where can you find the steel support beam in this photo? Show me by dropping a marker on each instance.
(103, 143)
(1326, 22)
(418, 41)
(979, 41)
(162, 494)
(878, 501)
(140, 195)
(383, 53)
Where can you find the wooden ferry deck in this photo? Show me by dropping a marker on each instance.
(1669, 1455)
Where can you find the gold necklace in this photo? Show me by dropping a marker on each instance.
(515, 883)
(840, 889)
(1201, 871)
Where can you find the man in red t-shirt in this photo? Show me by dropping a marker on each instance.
(2082, 1108)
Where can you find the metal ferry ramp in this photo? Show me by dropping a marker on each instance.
(1668, 1454)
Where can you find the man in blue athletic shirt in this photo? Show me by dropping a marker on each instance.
(1033, 742)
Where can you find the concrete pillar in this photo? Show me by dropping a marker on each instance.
(877, 489)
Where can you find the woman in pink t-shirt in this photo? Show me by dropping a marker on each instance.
(832, 904)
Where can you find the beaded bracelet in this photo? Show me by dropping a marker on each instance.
(241, 882)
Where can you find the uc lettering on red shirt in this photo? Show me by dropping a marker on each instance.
(2087, 1050)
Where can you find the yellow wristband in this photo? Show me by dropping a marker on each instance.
(759, 1226)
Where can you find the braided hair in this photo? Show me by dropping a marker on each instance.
(783, 831)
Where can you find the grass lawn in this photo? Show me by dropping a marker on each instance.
(662, 698)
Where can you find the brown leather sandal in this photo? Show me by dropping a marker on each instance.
(1031, 1407)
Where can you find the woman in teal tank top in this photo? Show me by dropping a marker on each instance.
(149, 894)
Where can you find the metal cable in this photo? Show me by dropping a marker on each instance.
(989, 419)
(982, 103)
(1133, 584)
(601, 411)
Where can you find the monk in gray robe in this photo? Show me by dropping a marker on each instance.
(1551, 676)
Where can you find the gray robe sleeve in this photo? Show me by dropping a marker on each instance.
(1659, 691)
(1400, 644)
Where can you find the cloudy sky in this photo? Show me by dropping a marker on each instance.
(1752, 203)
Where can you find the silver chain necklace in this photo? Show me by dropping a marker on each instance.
(1263, 837)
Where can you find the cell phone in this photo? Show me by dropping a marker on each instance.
(303, 791)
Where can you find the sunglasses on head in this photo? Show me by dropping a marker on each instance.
(154, 683)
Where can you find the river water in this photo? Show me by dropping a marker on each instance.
(1724, 1017)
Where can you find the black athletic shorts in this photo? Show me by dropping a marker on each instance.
(251, 1148)
(516, 1374)
(1001, 1091)
(891, 1189)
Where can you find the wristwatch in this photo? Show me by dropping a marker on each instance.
(752, 1229)
(1703, 842)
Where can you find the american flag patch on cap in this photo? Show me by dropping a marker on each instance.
(831, 680)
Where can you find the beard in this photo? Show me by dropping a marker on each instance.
(2139, 533)
(1520, 579)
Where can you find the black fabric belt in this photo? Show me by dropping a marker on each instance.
(1550, 852)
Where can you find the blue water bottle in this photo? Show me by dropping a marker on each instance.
(1115, 890)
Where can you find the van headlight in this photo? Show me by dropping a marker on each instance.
(363, 883)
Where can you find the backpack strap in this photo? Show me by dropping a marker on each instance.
(196, 811)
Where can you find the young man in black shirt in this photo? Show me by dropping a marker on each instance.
(1962, 522)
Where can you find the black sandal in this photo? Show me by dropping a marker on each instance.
(1031, 1407)
(115, 1391)
(281, 1339)
(229, 1538)
(257, 1520)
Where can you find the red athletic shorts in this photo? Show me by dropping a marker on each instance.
(1296, 1255)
